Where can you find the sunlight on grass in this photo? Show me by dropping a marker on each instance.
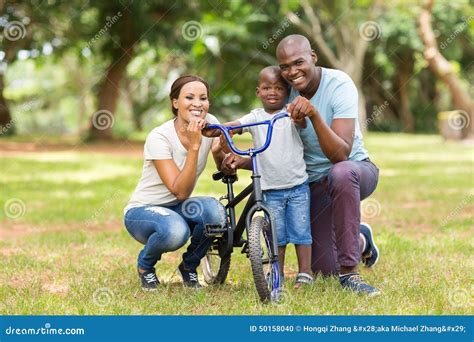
(70, 243)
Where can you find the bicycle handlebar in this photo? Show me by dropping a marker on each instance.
(251, 151)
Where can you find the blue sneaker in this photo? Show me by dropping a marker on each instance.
(370, 256)
(190, 277)
(149, 280)
(354, 282)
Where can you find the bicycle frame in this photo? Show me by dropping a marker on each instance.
(255, 202)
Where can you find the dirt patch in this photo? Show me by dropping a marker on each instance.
(119, 148)
(56, 288)
(14, 231)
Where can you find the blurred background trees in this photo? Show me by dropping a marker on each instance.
(103, 69)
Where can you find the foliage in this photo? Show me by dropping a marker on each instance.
(60, 63)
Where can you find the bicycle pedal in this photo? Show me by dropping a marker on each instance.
(214, 229)
(240, 243)
(245, 249)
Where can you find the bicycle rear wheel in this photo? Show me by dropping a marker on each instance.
(266, 273)
(214, 267)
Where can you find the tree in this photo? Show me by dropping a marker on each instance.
(443, 69)
(32, 26)
(124, 25)
(341, 33)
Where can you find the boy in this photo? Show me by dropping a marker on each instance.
(284, 179)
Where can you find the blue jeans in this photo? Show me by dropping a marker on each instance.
(167, 228)
(290, 208)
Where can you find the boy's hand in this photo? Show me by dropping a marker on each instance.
(210, 133)
(230, 164)
(301, 123)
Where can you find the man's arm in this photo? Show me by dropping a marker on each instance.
(335, 140)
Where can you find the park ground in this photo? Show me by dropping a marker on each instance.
(64, 249)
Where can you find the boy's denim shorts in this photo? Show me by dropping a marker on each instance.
(290, 208)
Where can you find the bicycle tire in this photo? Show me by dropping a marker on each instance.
(263, 282)
(208, 266)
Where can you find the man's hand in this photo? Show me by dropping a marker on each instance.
(300, 108)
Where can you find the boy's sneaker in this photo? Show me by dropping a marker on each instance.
(370, 256)
(354, 282)
(149, 280)
(190, 278)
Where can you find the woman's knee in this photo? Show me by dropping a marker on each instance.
(208, 208)
(168, 230)
(176, 236)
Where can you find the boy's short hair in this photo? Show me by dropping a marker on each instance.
(275, 70)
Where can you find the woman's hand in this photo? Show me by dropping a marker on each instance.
(193, 132)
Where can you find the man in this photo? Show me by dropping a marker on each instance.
(339, 169)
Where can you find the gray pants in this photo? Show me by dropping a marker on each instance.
(335, 214)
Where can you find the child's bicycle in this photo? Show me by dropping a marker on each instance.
(261, 244)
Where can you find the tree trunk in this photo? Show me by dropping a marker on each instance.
(404, 75)
(6, 122)
(102, 120)
(442, 68)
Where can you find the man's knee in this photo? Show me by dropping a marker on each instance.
(343, 173)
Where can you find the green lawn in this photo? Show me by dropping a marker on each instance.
(64, 250)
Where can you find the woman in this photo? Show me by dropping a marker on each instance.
(160, 213)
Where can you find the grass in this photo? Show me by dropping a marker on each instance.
(64, 249)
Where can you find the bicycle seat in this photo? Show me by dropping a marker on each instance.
(218, 175)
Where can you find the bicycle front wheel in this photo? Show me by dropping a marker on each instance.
(266, 272)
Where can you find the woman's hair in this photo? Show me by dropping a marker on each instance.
(179, 83)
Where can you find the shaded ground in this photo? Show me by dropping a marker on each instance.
(65, 250)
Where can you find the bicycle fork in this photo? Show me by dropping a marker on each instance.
(273, 258)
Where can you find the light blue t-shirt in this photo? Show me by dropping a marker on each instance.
(336, 98)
